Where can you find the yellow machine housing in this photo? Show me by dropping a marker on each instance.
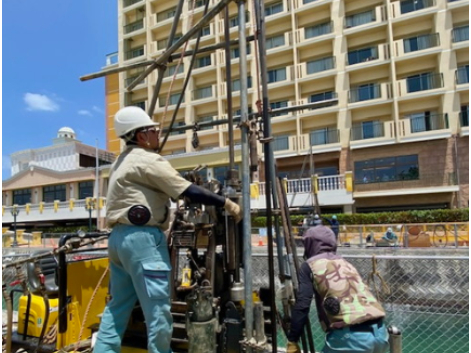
(37, 314)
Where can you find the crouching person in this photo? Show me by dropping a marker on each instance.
(348, 312)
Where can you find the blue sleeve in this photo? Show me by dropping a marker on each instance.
(300, 311)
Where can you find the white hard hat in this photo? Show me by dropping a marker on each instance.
(131, 118)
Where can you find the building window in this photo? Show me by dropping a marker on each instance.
(367, 130)
(360, 19)
(324, 136)
(54, 192)
(365, 92)
(165, 15)
(272, 9)
(206, 119)
(318, 30)
(387, 169)
(235, 52)
(415, 5)
(171, 70)
(234, 20)
(424, 82)
(278, 105)
(277, 75)
(427, 121)
(281, 143)
(236, 84)
(172, 100)
(275, 41)
(460, 34)
(203, 61)
(21, 196)
(85, 189)
(362, 55)
(319, 65)
(203, 92)
(177, 132)
(462, 74)
(464, 115)
(134, 53)
(421, 42)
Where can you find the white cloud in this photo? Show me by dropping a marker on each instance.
(35, 101)
(84, 112)
(97, 109)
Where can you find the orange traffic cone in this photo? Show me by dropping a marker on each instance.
(260, 242)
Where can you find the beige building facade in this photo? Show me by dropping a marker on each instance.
(399, 71)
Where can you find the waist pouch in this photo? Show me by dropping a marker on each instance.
(139, 215)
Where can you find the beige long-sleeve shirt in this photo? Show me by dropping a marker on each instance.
(142, 177)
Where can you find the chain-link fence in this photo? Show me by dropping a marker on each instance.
(428, 299)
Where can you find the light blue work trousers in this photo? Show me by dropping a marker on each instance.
(139, 269)
(347, 341)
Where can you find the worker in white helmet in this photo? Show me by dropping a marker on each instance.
(141, 185)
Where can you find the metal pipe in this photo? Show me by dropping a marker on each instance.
(187, 36)
(246, 222)
(209, 48)
(269, 163)
(229, 87)
(161, 69)
(183, 89)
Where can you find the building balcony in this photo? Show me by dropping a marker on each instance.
(421, 85)
(369, 94)
(316, 69)
(306, 36)
(319, 141)
(279, 44)
(425, 127)
(280, 78)
(129, 5)
(372, 134)
(134, 28)
(417, 46)
(276, 12)
(460, 37)
(304, 5)
(455, 4)
(135, 53)
(375, 56)
(204, 94)
(331, 190)
(409, 9)
(365, 21)
(112, 59)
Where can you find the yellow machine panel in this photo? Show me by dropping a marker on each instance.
(37, 314)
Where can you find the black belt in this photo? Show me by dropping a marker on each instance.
(367, 325)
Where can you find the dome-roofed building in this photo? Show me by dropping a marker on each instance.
(65, 153)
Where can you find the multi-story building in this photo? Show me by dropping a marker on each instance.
(49, 185)
(398, 69)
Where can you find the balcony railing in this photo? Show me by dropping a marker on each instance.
(429, 123)
(424, 82)
(367, 130)
(112, 59)
(320, 65)
(421, 42)
(415, 5)
(460, 34)
(324, 137)
(127, 3)
(134, 53)
(364, 93)
(360, 19)
(135, 26)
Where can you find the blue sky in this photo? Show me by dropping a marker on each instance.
(46, 46)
